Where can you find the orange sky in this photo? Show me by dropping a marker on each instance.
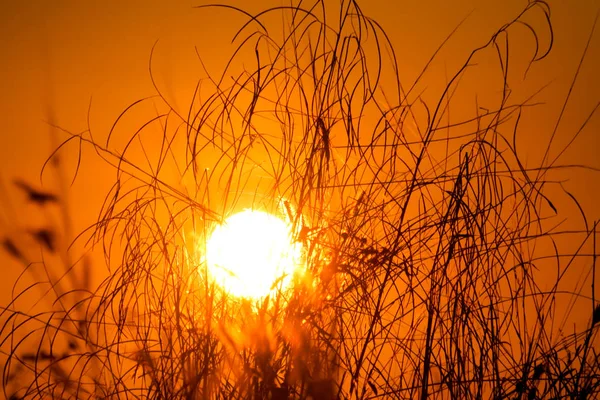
(58, 55)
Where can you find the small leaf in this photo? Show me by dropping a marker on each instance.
(373, 388)
(552, 206)
(36, 196)
(538, 371)
(596, 316)
(12, 249)
(29, 357)
(45, 237)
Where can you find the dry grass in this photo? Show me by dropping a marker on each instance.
(420, 237)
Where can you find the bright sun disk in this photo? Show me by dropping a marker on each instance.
(250, 253)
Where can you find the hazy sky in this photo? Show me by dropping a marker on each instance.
(59, 55)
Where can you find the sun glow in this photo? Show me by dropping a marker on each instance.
(252, 253)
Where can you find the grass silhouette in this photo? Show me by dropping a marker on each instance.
(419, 232)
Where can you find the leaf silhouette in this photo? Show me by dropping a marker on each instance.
(596, 315)
(45, 237)
(34, 195)
(12, 249)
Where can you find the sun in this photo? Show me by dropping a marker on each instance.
(252, 253)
